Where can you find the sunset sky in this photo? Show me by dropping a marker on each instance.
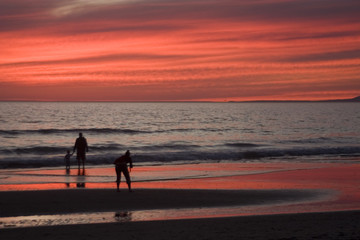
(176, 50)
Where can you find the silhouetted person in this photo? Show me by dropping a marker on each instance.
(67, 160)
(121, 166)
(81, 147)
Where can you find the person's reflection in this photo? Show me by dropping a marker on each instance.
(123, 216)
(80, 183)
(67, 177)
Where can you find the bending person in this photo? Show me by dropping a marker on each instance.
(121, 166)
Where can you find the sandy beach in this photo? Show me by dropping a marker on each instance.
(325, 225)
(308, 201)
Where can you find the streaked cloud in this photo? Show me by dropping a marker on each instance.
(67, 8)
(205, 49)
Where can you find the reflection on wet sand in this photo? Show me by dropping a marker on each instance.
(80, 183)
(80, 180)
(150, 214)
(123, 216)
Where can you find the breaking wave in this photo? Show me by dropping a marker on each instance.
(168, 154)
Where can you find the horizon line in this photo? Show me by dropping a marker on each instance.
(180, 101)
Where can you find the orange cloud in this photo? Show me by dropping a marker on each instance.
(167, 50)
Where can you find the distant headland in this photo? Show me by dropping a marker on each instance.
(355, 99)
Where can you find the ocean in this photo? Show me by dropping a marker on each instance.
(38, 134)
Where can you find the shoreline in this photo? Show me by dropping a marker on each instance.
(274, 201)
(339, 179)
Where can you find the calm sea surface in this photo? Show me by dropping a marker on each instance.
(36, 134)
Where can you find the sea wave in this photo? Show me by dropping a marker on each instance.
(41, 150)
(242, 145)
(115, 147)
(52, 131)
(49, 157)
(75, 131)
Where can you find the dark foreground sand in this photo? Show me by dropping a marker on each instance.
(23, 203)
(329, 225)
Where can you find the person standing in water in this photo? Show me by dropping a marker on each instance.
(121, 166)
(81, 148)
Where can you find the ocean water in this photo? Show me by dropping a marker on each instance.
(38, 134)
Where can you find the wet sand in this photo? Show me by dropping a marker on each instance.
(24, 203)
(324, 202)
(324, 226)
(328, 225)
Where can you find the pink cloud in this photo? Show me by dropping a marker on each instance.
(179, 50)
